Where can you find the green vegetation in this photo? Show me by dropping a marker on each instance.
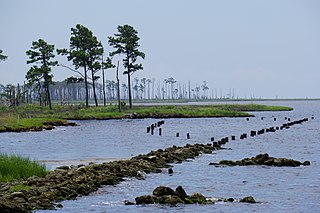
(14, 167)
(19, 187)
(34, 117)
(17, 124)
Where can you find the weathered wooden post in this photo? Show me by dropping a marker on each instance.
(160, 131)
(188, 135)
(177, 135)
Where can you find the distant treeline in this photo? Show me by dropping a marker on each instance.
(142, 89)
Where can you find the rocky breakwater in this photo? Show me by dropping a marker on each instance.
(263, 159)
(70, 182)
(168, 196)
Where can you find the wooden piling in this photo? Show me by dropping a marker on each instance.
(188, 135)
(160, 131)
(177, 135)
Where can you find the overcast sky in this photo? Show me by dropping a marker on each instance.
(263, 48)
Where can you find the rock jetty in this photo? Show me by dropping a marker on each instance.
(263, 159)
(168, 196)
(70, 182)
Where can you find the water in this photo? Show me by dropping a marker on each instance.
(277, 189)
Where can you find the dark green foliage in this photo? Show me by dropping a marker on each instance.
(41, 53)
(85, 51)
(126, 42)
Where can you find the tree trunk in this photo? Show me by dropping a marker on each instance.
(94, 89)
(86, 85)
(118, 85)
(129, 90)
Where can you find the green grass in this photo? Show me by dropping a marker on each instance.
(28, 117)
(14, 167)
(17, 124)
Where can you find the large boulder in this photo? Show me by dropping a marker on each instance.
(163, 190)
(181, 193)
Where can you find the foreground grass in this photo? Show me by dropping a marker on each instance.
(14, 167)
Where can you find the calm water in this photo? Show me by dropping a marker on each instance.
(278, 189)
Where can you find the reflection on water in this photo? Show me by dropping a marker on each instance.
(278, 189)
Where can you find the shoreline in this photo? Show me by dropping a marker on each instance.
(34, 118)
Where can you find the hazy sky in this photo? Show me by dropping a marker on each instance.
(266, 48)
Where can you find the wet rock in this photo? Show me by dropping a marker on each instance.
(163, 190)
(170, 200)
(262, 159)
(146, 199)
(306, 163)
(248, 199)
(63, 167)
(181, 193)
(198, 198)
(128, 203)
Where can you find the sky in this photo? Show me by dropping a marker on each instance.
(267, 49)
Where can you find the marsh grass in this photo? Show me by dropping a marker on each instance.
(14, 167)
(32, 116)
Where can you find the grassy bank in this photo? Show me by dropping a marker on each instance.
(17, 124)
(14, 167)
(32, 117)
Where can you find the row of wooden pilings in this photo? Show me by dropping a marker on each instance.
(254, 133)
(151, 129)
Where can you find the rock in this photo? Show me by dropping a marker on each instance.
(146, 199)
(229, 200)
(128, 203)
(306, 163)
(170, 171)
(228, 163)
(63, 167)
(248, 199)
(181, 193)
(163, 190)
(170, 200)
(198, 198)
(18, 194)
(262, 159)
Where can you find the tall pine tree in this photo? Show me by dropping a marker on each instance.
(41, 53)
(126, 42)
